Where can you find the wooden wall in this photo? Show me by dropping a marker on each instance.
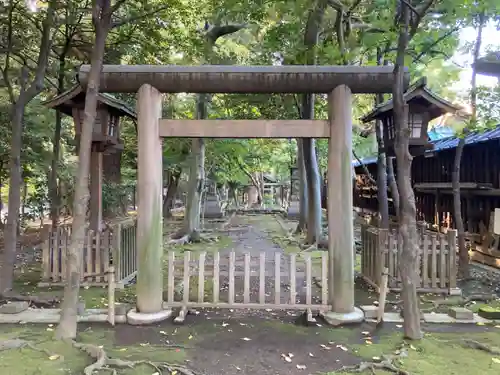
(480, 164)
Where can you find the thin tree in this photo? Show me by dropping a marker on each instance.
(407, 19)
(27, 92)
(463, 254)
(190, 231)
(102, 11)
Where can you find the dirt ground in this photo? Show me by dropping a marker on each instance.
(221, 342)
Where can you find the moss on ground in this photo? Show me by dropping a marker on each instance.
(65, 359)
(436, 353)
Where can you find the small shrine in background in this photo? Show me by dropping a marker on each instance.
(422, 106)
(105, 137)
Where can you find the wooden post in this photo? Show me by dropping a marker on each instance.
(149, 211)
(340, 217)
(111, 295)
(95, 190)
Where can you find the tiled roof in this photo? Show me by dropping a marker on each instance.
(449, 142)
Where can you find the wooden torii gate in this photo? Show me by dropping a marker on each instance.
(338, 82)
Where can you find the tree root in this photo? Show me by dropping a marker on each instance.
(184, 240)
(309, 247)
(19, 344)
(386, 363)
(103, 362)
(460, 301)
(38, 301)
(472, 344)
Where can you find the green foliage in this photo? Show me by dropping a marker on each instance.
(116, 197)
(171, 32)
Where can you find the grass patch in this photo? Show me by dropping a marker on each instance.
(440, 353)
(69, 360)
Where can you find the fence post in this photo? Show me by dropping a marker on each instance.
(452, 257)
(111, 295)
(117, 240)
(46, 257)
(380, 255)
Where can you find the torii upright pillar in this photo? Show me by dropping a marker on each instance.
(149, 307)
(340, 217)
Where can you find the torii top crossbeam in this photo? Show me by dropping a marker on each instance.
(244, 79)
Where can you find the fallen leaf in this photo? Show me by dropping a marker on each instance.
(246, 339)
(173, 372)
(301, 367)
(412, 347)
(54, 357)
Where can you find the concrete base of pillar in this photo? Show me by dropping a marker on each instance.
(337, 319)
(138, 319)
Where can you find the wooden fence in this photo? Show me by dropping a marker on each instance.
(115, 245)
(436, 259)
(228, 280)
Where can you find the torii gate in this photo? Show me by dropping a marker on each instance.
(338, 82)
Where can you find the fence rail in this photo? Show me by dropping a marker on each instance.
(436, 259)
(115, 245)
(245, 281)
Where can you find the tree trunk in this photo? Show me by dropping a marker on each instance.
(303, 198)
(313, 233)
(191, 224)
(26, 94)
(67, 328)
(197, 170)
(393, 186)
(463, 254)
(168, 202)
(53, 186)
(407, 217)
(15, 182)
(382, 196)
(313, 176)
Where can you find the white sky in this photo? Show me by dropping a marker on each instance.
(491, 39)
